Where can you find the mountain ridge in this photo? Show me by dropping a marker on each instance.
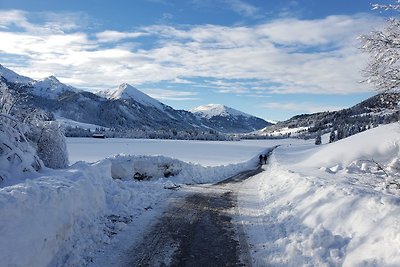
(125, 108)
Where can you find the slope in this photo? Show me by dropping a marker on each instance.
(314, 207)
(380, 109)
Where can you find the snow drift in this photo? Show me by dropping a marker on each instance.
(156, 167)
(320, 206)
(62, 217)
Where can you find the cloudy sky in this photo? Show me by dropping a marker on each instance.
(270, 58)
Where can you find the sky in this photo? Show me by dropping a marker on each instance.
(270, 58)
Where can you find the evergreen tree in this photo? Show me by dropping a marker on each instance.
(332, 136)
(318, 140)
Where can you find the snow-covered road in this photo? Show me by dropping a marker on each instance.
(195, 230)
(328, 205)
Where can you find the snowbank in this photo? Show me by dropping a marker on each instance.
(44, 218)
(62, 217)
(380, 144)
(325, 205)
(297, 220)
(156, 167)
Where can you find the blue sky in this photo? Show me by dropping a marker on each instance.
(272, 59)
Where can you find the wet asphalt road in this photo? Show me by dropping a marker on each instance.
(197, 231)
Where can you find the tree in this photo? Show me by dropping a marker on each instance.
(17, 156)
(318, 140)
(383, 48)
(332, 136)
(49, 139)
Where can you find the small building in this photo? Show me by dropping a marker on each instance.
(98, 135)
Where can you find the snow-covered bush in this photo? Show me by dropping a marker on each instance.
(17, 156)
(51, 145)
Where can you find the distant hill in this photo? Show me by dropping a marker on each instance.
(228, 120)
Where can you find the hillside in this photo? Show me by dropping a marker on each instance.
(380, 109)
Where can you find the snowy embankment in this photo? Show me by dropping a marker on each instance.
(61, 217)
(330, 205)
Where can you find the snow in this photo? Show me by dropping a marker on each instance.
(51, 87)
(283, 131)
(68, 122)
(297, 213)
(212, 110)
(62, 217)
(326, 205)
(380, 144)
(126, 91)
(13, 77)
(206, 153)
(48, 87)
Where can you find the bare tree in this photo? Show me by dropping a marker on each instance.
(383, 47)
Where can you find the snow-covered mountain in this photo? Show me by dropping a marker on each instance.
(212, 110)
(13, 77)
(49, 87)
(125, 108)
(228, 120)
(128, 92)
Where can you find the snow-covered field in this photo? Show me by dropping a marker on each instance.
(206, 153)
(329, 205)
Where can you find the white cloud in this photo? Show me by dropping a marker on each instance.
(301, 107)
(164, 94)
(243, 8)
(115, 36)
(281, 56)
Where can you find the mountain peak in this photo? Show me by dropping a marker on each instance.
(127, 92)
(212, 110)
(52, 78)
(13, 77)
(51, 87)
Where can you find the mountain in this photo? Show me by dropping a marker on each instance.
(212, 110)
(125, 109)
(13, 77)
(380, 109)
(49, 87)
(228, 120)
(128, 92)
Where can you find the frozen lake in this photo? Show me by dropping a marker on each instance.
(207, 153)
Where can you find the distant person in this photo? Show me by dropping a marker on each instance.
(265, 159)
(261, 159)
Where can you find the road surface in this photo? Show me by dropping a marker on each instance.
(197, 231)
